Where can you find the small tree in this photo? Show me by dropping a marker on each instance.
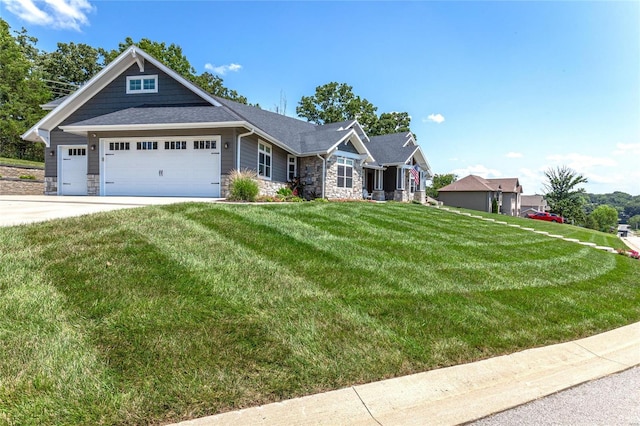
(440, 181)
(634, 222)
(563, 196)
(605, 218)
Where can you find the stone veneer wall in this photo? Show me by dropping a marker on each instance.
(267, 187)
(331, 189)
(50, 185)
(270, 187)
(311, 176)
(93, 184)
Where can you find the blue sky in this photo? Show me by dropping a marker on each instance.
(497, 89)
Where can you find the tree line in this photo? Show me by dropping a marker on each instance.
(31, 77)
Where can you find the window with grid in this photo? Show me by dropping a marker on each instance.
(119, 146)
(292, 168)
(175, 145)
(264, 160)
(142, 84)
(345, 172)
(146, 146)
(204, 144)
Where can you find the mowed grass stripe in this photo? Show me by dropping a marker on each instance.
(187, 310)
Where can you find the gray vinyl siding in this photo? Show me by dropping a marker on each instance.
(114, 97)
(348, 147)
(57, 138)
(468, 200)
(249, 158)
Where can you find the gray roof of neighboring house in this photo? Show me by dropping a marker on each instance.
(533, 200)
(473, 183)
(162, 114)
(506, 184)
(389, 149)
(468, 184)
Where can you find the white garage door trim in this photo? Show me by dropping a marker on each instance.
(72, 169)
(161, 166)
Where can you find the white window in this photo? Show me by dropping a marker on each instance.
(142, 84)
(119, 146)
(400, 178)
(264, 160)
(175, 145)
(292, 167)
(345, 172)
(146, 146)
(377, 184)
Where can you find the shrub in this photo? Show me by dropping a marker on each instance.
(243, 185)
(28, 177)
(285, 192)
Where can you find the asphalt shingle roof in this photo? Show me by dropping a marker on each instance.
(389, 149)
(476, 183)
(285, 129)
(162, 114)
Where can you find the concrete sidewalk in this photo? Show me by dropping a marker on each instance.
(453, 395)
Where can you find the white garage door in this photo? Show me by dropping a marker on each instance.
(72, 166)
(175, 166)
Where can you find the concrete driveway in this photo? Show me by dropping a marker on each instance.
(22, 209)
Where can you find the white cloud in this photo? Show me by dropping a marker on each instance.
(478, 170)
(59, 14)
(513, 155)
(581, 162)
(627, 149)
(434, 118)
(222, 69)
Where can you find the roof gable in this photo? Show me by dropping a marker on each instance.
(119, 66)
(469, 183)
(397, 149)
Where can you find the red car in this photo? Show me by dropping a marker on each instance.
(549, 217)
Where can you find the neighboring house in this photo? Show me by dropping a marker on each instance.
(476, 193)
(532, 204)
(139, 128)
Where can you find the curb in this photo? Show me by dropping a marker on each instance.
(457, 394)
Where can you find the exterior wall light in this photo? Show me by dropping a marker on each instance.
(226, 145)
(52, 153)
(93, 147)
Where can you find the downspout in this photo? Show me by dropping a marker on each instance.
(324, 171)
(238, 145)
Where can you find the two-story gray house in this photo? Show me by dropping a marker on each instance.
(139, 128)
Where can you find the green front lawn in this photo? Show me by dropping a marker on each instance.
(167, 313)
(17, 162)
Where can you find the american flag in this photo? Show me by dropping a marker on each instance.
(415, 174)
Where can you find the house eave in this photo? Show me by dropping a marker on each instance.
(83, 130)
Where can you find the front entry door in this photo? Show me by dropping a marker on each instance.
(72, 166)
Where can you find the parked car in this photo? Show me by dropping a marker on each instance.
(549, 217)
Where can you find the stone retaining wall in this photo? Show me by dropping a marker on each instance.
(11, 184)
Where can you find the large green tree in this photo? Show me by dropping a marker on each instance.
(603, 218)
(440, 181)
(562, 194)
(21, 94)
(335, 102)
(70, 66)
(634, 222)
(391, 122)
